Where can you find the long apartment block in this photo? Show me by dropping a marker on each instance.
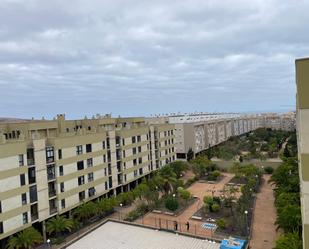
(200, 131)
(50, 167)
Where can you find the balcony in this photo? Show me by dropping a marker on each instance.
(52, 210)
(30, 161)
(34, 217)
(51, 173)
(52, 193)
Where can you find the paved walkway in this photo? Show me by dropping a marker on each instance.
(264, 232)
(198, 189)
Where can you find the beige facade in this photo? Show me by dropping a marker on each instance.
(50, 167)
(302, 81)
(202, 131)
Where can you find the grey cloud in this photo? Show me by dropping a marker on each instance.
(134, 57)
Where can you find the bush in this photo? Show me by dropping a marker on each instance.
(214, 175)
(215, 207)
(268, 170)
(221, 223)
(190, 182)
(171, 204)
(138, 212)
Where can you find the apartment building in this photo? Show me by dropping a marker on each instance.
(302, 81)
(50, 167)
(200, 131)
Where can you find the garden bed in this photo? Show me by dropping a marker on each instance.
(182, 207)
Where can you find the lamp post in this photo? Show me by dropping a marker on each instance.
(48, 242)
(247, 225)
(120, 211)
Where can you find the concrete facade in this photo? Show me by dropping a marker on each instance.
(302, 81)
(50, 167)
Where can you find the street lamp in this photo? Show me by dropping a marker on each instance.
(247, 225)
(120, 211)
(48, 242)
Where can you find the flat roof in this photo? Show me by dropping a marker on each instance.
(124, 236)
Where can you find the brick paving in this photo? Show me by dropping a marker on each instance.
(264, 232)
(198, 189)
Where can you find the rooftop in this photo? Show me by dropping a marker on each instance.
(124, 236)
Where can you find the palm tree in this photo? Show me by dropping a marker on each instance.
(59, 224)
(25, 239)
(85, 211)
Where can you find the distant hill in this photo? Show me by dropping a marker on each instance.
(12, 120)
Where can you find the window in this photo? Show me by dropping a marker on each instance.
(91, 191)
(104, 158)
(81, 180)
(81, 196)
(49, 154)
(141, 171)
(90, 177)
(89, 162)
(138, 138)
(133, 140)
(105, 171)
(80, 165)
(103, 145)
(21, 160)
(140, 160)
(124, 153)
(125, 177)
(134, 151)
(135, 173)
(22, 180)
(63, 203)
(139, 149)
(25, 218)
(0, 208)
(62, 187)
(124, 165)
(24, 199)
(88, 148)
(60, 170)
(165, 134)
(123, 141)
(106, 186)
(1, 227)
(79, 150)
(134, 162)
(59, 154)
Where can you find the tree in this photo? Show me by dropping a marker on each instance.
(289, 240)
(171, 204)
(190, 155)
(221, 223)
(168, 179)
(85, 211)
(25, 239)
(289, 218)
(126, 198)
(59, 224)
(184, 194)
(178, 167)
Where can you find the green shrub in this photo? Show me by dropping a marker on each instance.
(221, 223)
(268, 170)
(215, 207)
(190, 182)
(171, 204)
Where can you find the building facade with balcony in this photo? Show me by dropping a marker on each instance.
(50, 167)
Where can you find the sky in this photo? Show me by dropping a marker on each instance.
(136, 58)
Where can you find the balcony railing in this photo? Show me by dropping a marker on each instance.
(30, 161)
(52, 210)
(34, 217)
(52, 193)
(51, 176)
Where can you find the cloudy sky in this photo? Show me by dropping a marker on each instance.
(143, 57)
